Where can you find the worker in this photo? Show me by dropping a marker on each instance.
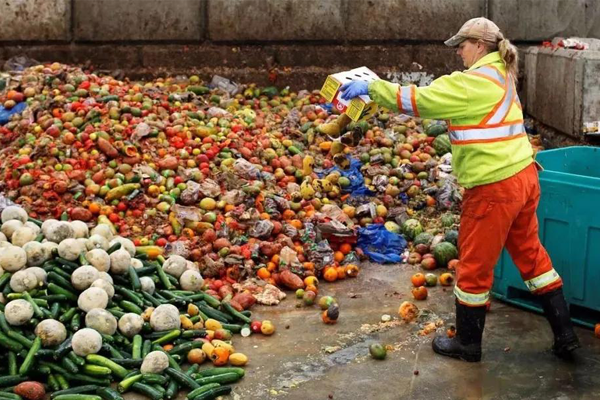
(493, 160)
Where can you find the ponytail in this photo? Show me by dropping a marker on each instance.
(510, 55)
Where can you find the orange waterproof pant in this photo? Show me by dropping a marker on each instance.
(497, 215)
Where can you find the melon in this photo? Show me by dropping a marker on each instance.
(441, 144)
(444, 252)
(412, 228)
(423, 238)
(451, 237)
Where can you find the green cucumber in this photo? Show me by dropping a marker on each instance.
(77, 397)
(76, 390)
(117, 369)
(96, 370)
(154, 379)
(108, 394)
(221, 371)
(214, 393)
(147, 390)
(182, 378)
(196, 392)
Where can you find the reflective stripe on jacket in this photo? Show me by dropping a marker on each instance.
(484, 114)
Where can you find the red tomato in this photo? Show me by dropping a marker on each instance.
(114, 218)
(172, 238)
(137, 242)
(255, 326)
(122, 206)
(162, 242)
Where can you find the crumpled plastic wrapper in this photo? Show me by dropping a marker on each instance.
(261, 229)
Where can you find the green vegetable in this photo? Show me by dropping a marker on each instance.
(214, 393)
(136, 352)
(77, 397)
(96, 370)
(147, 390)
(96, 359)
(235, 313)
(28, 362)
(125, 384)
(196, 392)
(182, 378)
(154, 379)
(108, 394)
(168, 337)
(76, 390)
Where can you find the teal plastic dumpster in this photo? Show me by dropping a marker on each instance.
(569, 217)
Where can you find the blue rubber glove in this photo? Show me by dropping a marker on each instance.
(354, 89)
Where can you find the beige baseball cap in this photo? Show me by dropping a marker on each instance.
(476, 28)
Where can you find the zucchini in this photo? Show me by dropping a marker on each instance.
(221, 371)
(77, 397)
(235, 313)
(227, 377)
(147, 390)
(68, 314)
(96, 370)
(59, 290)
(114, 248)
(134, 279)
(128, 362)
(117, 369)
(12, 380)
(215, 314)
(9, 343)
(125, 384)
(62, 381)
(16, 336)
(131, 307)
(154, 379)
(88, 379)
(13, 369)
(63, 348)
(172, 335)
(9, 396)
(136, 351)
(69, 365)
(186, 347)
(172, 389)
(108, 394)
(76, 390)
(4, 324)
(77, 360)
(214, 393)
(211, 301)
(182, 378)
(66, 263)
(146, 347)
(194, 393)
(28, 362)
(53, 383)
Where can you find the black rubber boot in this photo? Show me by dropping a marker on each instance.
(466, 345)
(557, 313)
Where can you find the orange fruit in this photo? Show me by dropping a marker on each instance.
(311, 280)
(330, 274)
(312, 288)
(338, 256)
(275, 259)
(94, 208)
(271, 266)
(263, 273)
(288, 214)
(341, 272)
(597, 330)
(419, 293)
(296, 223)
(352, 270)
(310, 266)
(446, 279)
(418, 280)
(346, 248)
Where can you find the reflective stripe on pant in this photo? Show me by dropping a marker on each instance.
(502, 214)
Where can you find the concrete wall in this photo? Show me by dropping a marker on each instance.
(298, 41)
(563, 88)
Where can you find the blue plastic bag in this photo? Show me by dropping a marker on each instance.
(357, 181)
(6, 114)
(381, 245)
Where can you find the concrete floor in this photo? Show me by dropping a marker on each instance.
(307, 359)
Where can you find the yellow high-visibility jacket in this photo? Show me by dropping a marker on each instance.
(485, 118)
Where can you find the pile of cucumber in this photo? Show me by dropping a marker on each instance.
(68, 376)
